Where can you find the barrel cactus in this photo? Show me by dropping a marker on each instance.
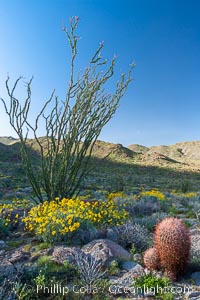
(172, 241)
(151, 259)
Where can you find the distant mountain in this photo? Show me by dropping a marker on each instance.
(9, 152)
(110, 150)
(138, 148)
(184, 153)
(8, 140)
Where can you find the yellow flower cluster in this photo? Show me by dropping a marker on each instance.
(114, 195)
(51, 220)
(8, 211)
(153, 193)
(186, 195)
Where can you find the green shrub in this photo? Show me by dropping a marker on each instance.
(152, 284)
(185, 186)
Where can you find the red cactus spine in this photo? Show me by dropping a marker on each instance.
(151, 259)
(172, 241)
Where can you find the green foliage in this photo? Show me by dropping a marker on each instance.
(173, 210)
(44, 260)
(41, 246)
(185, 186)
(113, 268)
(14, 243)
(154, 284)
(71, 130)
(49, 268)
(21, 291)
(4, 231)
(151, 221)
(133, 250)
(187, 223)
(168, 296)
(135, 234)
(40, 278)
(60, 219)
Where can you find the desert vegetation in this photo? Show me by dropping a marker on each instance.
(85, 219)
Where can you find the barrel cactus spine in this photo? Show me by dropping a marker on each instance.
(151, 259)
(172, 241)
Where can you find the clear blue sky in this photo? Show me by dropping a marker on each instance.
(162, 104)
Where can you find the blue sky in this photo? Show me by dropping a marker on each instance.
(162, 104)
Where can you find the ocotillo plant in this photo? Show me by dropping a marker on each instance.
(71, 129)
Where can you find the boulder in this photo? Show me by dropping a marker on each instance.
(137, 257)
(128, 278)
(128, 265)
(61, 253)
(2, 245)
(19, 256)
(106, 251)
(196, 277)
(193, 296)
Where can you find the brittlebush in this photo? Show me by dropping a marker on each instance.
(153, 193)
(53, 220)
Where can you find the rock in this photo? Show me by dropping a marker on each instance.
(193, 296)
(42, 252)
(181, 208)
(193, 230)
(158, 274)
(106, 250)
(196, 277)
(2, 245)
(7, 270)
(84, 236)
(2, 253)
(19, 256)
(128, 265)
(195, 246)
(128, 277)
(112, 235)
(61, 253)
(137, 257)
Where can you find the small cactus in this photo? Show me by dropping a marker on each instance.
(172, 241)
(151, 259)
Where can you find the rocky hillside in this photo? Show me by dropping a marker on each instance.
(182, 154)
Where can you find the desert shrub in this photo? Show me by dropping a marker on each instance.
(52, 221)
(142, 207)
(185, 186)
(153, 194)
(90, 268)
(114, 267)
(91, 276)
(3, 229)
(146, 206)
(12, 211)
(195, 206)
(149, 283)
(115, 195)
(183, 198)
(133, 234)
(195, 249)
(71, 126)
(151, 221)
